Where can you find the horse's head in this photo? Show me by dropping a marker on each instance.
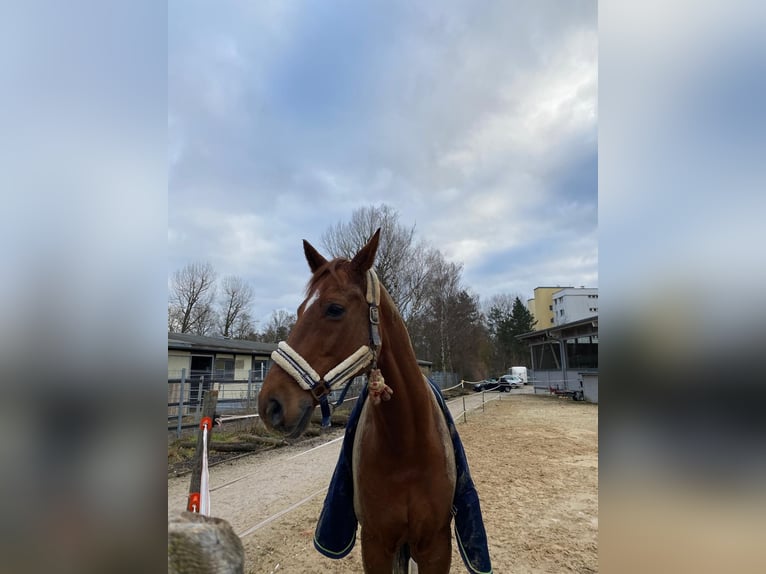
(328, 343)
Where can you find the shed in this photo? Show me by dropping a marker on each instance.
(566, 357)
(232, 366)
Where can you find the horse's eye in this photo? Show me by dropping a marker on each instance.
(335, 311)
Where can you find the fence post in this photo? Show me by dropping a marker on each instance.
(465, 420)
(199, 393)
(482, 401)
(181, 403)
(249, 387)
(208, 410)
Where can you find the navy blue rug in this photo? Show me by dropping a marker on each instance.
(335, 533)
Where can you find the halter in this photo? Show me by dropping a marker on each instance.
(320, 387)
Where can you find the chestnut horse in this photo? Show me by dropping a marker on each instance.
(403, 460)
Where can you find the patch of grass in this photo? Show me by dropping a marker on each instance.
(458, 392)
(178, 453)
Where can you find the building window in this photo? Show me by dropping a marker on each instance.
(224, 369)
(581, 354)
(546, 357)
(550, 307)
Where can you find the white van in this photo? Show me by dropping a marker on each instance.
(520, 372)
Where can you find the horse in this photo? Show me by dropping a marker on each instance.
(403, 460)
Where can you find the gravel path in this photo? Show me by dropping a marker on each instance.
(293, 474)
(533, 458)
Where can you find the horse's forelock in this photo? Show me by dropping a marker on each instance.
(331, 268)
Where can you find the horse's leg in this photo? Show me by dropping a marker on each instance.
(376, 557)
(434, 555)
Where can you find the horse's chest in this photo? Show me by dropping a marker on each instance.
(389, 481)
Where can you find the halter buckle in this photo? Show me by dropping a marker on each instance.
(321, 389)
(374, 315)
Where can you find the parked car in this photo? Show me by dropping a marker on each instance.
(508, 382)
(485, 385)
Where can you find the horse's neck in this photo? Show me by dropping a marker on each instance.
(397, 357)
(409, 408)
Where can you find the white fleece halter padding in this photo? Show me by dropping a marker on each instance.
(361, 358)
(285, 364)
(337, 376)
(373, 288)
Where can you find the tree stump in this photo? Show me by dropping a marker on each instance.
(199, 544)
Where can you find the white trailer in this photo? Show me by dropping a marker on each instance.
(520, 372)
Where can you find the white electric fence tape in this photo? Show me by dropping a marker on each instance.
(204, 487)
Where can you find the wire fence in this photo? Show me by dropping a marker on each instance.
(444, 380)
(238, 397)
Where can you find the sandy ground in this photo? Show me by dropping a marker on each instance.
(534, 460)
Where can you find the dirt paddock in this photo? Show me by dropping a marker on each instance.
(534, 460)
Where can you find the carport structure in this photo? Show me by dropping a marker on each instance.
(565, 357)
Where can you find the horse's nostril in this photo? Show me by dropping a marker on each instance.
(275, 412)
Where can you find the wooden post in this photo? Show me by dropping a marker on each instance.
(249, 388)
(464, 414)
(181, 403)
(200, 390)
(209, 402)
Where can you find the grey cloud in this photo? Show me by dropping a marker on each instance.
(298, 116)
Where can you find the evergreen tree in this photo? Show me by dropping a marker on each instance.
(499, 324)
(520, 322)
(506, 319)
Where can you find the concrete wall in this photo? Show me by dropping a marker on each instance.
(545, 379)
(573, 304)
(554, 379)
(590, 386)
(543, 304)
(178, 360)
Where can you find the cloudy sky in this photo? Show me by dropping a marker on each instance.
(476, 121)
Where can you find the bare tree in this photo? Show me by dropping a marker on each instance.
(401, 263)
(444, 286)
(234, 319)
(435, 328)
(192, 292)
(174, 319)
(244, 326)
(204, 319)
(443, 318)
(279, 326)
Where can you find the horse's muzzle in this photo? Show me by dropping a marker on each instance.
(276, 418)
(275, 414)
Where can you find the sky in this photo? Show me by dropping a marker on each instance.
(477, 122)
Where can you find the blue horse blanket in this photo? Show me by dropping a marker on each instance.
(335, 533)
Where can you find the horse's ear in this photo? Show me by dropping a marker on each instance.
(313, 256)
(363, 260)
